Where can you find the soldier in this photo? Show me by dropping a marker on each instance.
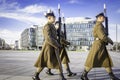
(47, 57)
(98, 55)
(63, 53)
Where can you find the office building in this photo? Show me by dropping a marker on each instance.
(28, 39)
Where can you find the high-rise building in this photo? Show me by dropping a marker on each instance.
(79, 32)
(28, 39)
(39, 36)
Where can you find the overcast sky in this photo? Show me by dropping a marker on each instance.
(16, 15)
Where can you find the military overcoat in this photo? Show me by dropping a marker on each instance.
(98, 55)
(47, 57)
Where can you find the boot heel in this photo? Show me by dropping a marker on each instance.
(84, 75)
(36, 76)
(62, 77)
(113, 77)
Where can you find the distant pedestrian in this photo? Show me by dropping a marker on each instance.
(98, 55)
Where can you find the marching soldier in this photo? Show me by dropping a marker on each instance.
(98, 55)
(63, 53)
(47, 57)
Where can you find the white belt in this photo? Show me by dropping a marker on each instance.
(97, 39)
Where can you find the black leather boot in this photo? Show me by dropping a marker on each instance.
(70, 74)
(113, 77)
(62, 77)
(84, 75)
(36, 76)
(48, 71)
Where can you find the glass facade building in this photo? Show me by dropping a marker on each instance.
(79, 32)
(28, 38)
(39, 36)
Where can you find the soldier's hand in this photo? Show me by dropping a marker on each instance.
(59, 47)
(69, 43)
(111, 43)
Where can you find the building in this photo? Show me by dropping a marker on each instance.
(16, 45)
(2, 43)
(115, 46)
(79, 32)
(28, 39)
(39, 36)
(32, 38)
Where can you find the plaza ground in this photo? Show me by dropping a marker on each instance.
(18, 65)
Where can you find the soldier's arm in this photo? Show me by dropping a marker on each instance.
(53, 42)
(102, 36)
(65, 42)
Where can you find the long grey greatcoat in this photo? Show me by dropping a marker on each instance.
(63, 53)
(98, 55)
(47, 57)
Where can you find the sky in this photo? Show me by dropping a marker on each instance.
(17, 15)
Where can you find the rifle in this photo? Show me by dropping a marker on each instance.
(58, 51)
(64, 25)
(106, 21)
(59, 19)
(65, 35)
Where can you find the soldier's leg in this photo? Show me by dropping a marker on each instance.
(36, 75)
(39, 69)
(70, 73)
(48, 71)
(85, 72)
(87, 69)
(110, 72)
(61, 74)
(108, 69)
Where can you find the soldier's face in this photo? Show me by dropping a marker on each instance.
(101, 18)
(51, 19)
